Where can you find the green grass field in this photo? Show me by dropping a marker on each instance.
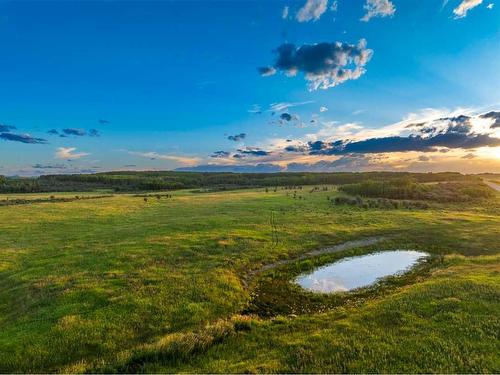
(122, 285)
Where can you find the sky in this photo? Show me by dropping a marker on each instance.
(249, 86)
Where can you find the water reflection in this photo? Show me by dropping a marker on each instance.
(360, 271)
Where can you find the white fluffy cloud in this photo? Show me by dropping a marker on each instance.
(68, 153)
(378, 8)
(324, 65)
(461, 10)
(312, 10)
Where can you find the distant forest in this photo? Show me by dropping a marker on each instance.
(157, 181)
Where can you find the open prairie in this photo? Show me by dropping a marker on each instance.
(133, 283)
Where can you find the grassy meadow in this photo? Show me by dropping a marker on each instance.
(132, 284)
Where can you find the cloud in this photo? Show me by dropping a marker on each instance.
(282, 106)
(73, 131)
(323, 109)
(452, 132)
(53, 132)
(23, 138)
(175, 158)
(284, 14)
(220, 154)
(490, 6)
(237, 137)
(312, 10)
(348, 163)
(495, 116)
(252, 151)
(67, 153)
(411, 143)
(258, 168)
(324, 65)
(286, 116)
(266, 71)
(55, 166)
(463, 8)
(378, 8)
(469, 156)
(104, 122)
(6, 128)
(255, 109)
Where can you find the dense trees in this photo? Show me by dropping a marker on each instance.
(154, 181)
(408, 188)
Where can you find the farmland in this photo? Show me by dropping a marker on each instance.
(145, 282)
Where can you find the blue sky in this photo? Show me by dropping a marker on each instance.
(164, 84)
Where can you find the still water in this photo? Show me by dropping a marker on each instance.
(360, 271)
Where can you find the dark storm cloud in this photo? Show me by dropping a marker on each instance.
(237, 137)
(23, 138)
(73, 131)
(94, 133)
(53, 132)
(324, 65)
(104, 122)
(220, 154)
(6, 128)
(495, 116)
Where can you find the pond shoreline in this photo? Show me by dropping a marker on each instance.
(326, 250)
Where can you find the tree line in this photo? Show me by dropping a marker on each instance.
(172, 180)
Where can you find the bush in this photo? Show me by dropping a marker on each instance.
(406, 188)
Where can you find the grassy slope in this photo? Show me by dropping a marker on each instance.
(85, 285)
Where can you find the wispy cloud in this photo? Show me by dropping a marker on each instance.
(463, 8)
(284, 13)
(6, 128)
(22, 138)
(282, 106)
(49, 166)
(255, 109)
(68, 153)
(186, 160)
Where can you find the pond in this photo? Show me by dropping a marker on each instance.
(359, 271)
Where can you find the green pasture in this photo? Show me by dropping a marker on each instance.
(120, 284)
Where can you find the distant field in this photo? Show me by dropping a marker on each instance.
(131, 284)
